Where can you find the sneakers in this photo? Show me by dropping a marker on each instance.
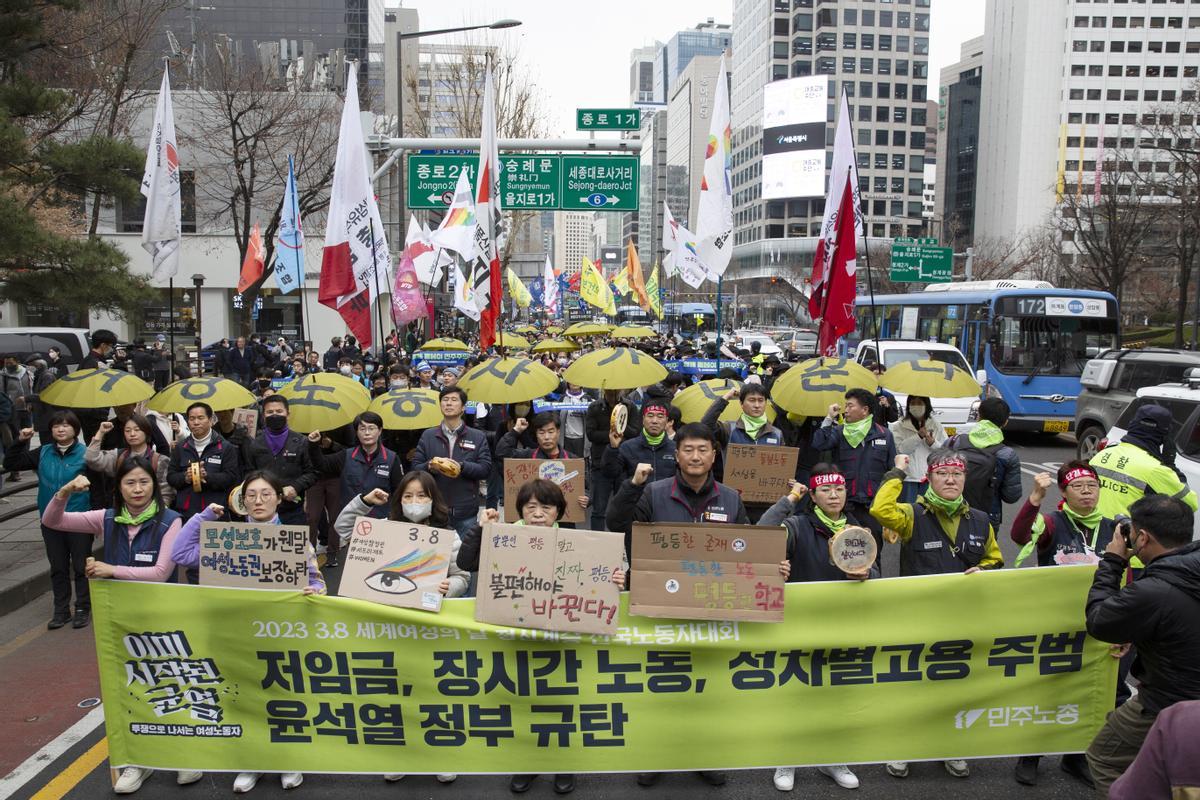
(785, 778)
(131, 780)
(897, 769)
(188, 776)
(958, 768)
(447, 777)
(245, 781)
(291, 780)
(841, 775)
(392, 777)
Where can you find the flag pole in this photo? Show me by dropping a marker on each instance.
(378, 291)
(299, 263)
(171, 322)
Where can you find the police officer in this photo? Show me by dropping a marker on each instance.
(1142, 463)
(757, 359)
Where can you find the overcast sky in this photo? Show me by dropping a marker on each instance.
(579, 52)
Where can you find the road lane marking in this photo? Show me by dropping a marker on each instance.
(70, 777)
(29, 768)
(25, 638)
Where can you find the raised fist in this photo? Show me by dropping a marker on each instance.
(642, 474)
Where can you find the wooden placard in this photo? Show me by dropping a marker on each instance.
(247, 417)
(252, 555)
(397, 563)
(569, 473)
(760, 473)
(707, 571)
(553, 579)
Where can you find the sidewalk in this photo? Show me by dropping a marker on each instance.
(24, 571)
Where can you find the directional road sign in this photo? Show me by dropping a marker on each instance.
(531, 181)
(608, 119)
(919, 262)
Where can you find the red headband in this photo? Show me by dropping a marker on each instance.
(949, 462)
(827, 479)
(654, 405)
(1076, 474)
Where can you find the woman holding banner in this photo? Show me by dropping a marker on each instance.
(139, 532)
(261, 493)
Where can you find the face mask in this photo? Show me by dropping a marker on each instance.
(370, 367)
(275, 423)
(417, 512)
(264, 383)
(917, 410)
(344, 369)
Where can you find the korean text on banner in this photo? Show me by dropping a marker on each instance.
(760, 473)
(252, 555)
(568, 473)
(212, 678)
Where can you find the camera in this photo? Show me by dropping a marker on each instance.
(1125, 529)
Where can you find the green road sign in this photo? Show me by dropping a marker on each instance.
(600, 183)
(531, 181)
(921, 263)
(608, 119)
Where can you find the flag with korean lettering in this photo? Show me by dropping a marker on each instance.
(714, 227)
(355, 264)
(485, 269)
(289, 238)
(594, 290)
(654, 294)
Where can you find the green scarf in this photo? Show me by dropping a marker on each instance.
(654, 441)
(1086, 521)
(985, 434)
(948, 507)
(855, 432)
(125, 519)
(834, 525)
(753, 424)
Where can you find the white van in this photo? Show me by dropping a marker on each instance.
(952, 412)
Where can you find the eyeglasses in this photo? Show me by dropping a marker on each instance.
(948, 473)
(264, 495)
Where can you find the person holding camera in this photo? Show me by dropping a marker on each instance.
(1159, 614)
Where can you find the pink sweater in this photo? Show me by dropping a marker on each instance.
(93, 522)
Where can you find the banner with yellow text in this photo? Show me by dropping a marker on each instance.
(948, 666)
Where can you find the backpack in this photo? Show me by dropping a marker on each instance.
(979, 488)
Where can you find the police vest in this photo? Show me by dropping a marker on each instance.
(757, 361)
(1067, 538)
(929, 551)
(1122, 470)
(147, 542)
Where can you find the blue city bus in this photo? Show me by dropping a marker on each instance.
(690, 319)
(1027, 341)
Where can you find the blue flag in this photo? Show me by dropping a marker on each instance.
(289, 242)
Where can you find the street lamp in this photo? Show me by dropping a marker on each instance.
(198, 282)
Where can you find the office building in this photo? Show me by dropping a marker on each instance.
(641, 74)
(573, 240)
(958, 146)
(708, 38)
(646, 230)
(689, 117)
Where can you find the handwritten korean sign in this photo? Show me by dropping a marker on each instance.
(247, 417)
(554, 579)
(568, 473)
(760, 473)
(397, 563)
(707, 571)
(250, 555)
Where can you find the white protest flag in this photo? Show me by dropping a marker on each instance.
(464, 298)
(682, 257)
(457, 229)
(714, 228)
(422, 252)
(160, 186)
(550, 289)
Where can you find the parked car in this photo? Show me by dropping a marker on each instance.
(1183, 401)
(1110, 382)
(797, 344)
(741, 340)
(25, 342)
(954, 413)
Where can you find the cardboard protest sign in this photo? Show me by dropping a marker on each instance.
(568, 473)
(554, 579)
(252, 555)
(760, 473)
(397, 563)
(707, 571)
(247, 417)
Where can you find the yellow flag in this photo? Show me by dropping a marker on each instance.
(594, 290)
(517, 290)
(621, 282)
(652, 294)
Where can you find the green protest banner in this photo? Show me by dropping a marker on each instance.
(947, 666)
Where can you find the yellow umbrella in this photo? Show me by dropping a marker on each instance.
(96, 388)
(508, 380)
(586, 329)
(324, 401)
(512, 341)
(408, 409)
(554, 329)
(220, 394)
(615, 368)
(632, 332)
(526, 329)
(809, 388)
(554, 346)
(930, 378)
(693, 401)
(446, 343)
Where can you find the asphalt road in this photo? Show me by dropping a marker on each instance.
(45, 676)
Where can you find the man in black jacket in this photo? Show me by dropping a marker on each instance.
(332, 355)
(652, 447)
(285, 454)
(1159, 614)
(597, 425)
(220, 468)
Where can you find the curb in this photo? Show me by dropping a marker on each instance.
(27, 583)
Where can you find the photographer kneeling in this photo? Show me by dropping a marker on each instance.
(1159, 614)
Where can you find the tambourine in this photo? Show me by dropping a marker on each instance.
(193, 472)
(619, 419)
(236, 504)
(448, 466)
(852, 550)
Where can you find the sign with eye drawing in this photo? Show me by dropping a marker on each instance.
(397, 563)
